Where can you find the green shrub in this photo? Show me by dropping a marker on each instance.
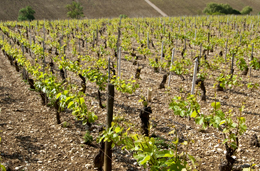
(88, 138)
(123, 16)
(75, 10)
(219, 9)
(236, 11)
(218, 13)
(26, 13)
(246, 10)
(65, 124)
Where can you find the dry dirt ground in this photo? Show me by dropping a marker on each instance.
(31, 139)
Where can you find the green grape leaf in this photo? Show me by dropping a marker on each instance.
(216, 105)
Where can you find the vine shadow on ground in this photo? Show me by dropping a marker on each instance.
(26, 142)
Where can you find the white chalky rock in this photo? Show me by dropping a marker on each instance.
(40, 162)
(88, 166)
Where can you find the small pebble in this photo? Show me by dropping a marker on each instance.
(40, 162)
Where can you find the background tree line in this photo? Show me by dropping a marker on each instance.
(75, 11)
(223, 9)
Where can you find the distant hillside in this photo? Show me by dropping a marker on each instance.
(55, 9)
(194, 7)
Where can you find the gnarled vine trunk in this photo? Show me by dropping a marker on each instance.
(144, 115)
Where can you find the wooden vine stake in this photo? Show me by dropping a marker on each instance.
(194, 76)
(118, 40)
(24, 71)
(119, 63)
(232, 65)
(139, 31)
(43, 59)
(79, 47)
(86, 42)
(60, 44)
(36, 33)
(208, 43)
(108, 70)
(161, 56)
(110, 104)
(149, 95)
(68, 42)
(226, 51)
(171, 67)
(219, 26)
(185, 43)
(251, 58)
(97, 36)
(148, 40)
(120, 20)
(45, 95)
(198, 68)
(65, 72)
(44, 32)
(93, 43)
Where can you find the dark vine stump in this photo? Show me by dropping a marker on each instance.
(254, 141)
(83, 42)
(231, 73)
(52, 66)
(57, 107)
(200, 82)
(31, 83)
(219, 88)
(83, 84)
(25, 74)
(26, 49)
(144, 115)
(156, 69)
(105, 44)
(56, 52)
(227, 166)
(9, 58)
(83, 87)
(245, 71)
(220, 53)
(99, 158)
(113, 69)
(162, 85)
(44, 98)
(62, 74)
(100, 100)
(16, 66)
(182, 52)
(138, 73)
(211, 49)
